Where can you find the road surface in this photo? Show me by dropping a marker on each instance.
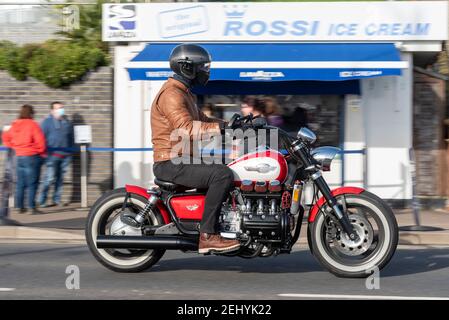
(38, 271)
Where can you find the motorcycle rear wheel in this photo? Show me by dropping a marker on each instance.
(105, 209)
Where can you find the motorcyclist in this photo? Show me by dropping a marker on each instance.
(174, 108)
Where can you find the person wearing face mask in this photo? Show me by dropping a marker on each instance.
(58, 131)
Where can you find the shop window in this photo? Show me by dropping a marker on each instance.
(321, 113)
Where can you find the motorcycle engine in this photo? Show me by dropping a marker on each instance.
(258, 215)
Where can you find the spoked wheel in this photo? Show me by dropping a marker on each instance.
(104, 219)
(376, 226)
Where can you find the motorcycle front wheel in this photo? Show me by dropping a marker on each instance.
(104, 217)
(376, 225)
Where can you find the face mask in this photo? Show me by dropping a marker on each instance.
(202, 78)
(60, 112)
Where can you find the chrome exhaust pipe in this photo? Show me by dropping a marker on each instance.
(147, 242)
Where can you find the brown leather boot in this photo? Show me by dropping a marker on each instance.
(215, 242)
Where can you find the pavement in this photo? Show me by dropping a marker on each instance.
(66, 225)
(47, 271)
(62, 224)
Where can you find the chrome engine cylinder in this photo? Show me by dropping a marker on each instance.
(273, 206)
(249, 207)
(260, 206)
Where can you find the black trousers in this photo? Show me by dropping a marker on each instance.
(216, 178)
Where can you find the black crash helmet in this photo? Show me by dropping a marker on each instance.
(192, 62)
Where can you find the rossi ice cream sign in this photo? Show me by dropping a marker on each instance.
(289, 21)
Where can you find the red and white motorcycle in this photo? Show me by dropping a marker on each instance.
(350, 230)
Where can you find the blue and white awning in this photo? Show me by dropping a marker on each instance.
(279, 61)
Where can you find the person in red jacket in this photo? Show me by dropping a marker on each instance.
(26, 138)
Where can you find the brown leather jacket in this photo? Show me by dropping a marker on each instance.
(173, 108)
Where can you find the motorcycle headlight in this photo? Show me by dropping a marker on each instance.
(324, 156)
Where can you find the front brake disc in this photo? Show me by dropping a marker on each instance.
(366, 234)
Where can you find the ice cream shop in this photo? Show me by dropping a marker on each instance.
(353, 72)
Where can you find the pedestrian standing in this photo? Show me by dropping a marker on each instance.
(26, 138)
(58, 131)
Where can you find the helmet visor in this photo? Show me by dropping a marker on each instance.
(205, 67)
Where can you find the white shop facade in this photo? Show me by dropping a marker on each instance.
(361, 53)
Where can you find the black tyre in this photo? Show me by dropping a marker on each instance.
(101, 216)
(376, 225)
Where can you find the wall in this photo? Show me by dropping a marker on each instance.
(26, 24)
(387, 110)
(429, 103)
(354, 141)
(88, 102)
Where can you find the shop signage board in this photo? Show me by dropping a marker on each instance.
(287, 22)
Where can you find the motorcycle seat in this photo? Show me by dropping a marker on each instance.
(169, 186)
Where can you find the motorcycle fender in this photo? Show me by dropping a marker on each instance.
(143, 192)
(335, 192)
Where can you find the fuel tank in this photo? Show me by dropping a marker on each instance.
(266, 165)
